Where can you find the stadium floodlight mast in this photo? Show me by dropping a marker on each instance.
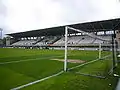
(89, 34)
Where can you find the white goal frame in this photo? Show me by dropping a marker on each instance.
(66, 46)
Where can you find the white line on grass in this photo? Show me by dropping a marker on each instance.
(34, 82)
(27, 60)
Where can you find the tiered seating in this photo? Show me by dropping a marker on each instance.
(40, 44)
(106, 38)
(86, 40)
(56, 41)
(59, 42)
(24, 43)
(74, 40)
(46, 41)
(78, 40)
(97, 41)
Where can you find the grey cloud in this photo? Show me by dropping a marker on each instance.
(70, 11)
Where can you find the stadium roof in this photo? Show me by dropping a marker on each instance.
(95, 26)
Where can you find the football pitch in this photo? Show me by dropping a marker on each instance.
(22, 66)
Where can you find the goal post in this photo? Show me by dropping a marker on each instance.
(65, 61)
(100, 49)
(114, 50)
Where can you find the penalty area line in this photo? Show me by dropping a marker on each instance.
(37, 81)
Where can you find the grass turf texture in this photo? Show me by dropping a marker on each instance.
(40, 66)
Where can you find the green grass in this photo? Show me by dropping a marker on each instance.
(40, 65)
(97, 68)
(10, 78)
(71, 81)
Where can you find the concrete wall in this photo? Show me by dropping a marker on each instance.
(7, 41)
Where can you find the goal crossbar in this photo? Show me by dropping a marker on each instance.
(89, 34)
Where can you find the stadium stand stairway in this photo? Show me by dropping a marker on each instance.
(93, 41)
(47, 41)
(58, 38)
(39, 40)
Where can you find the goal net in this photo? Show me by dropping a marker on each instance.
(87, 53)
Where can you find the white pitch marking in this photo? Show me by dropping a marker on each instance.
(34, 82)
(26, 60)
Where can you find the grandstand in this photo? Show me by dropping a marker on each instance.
(52, 37)
(72, 40)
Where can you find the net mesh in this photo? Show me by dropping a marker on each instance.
(89, 59)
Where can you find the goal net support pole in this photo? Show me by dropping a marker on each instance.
(100, 50)
(115, 54)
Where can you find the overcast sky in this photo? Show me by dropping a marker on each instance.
(24, 15)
